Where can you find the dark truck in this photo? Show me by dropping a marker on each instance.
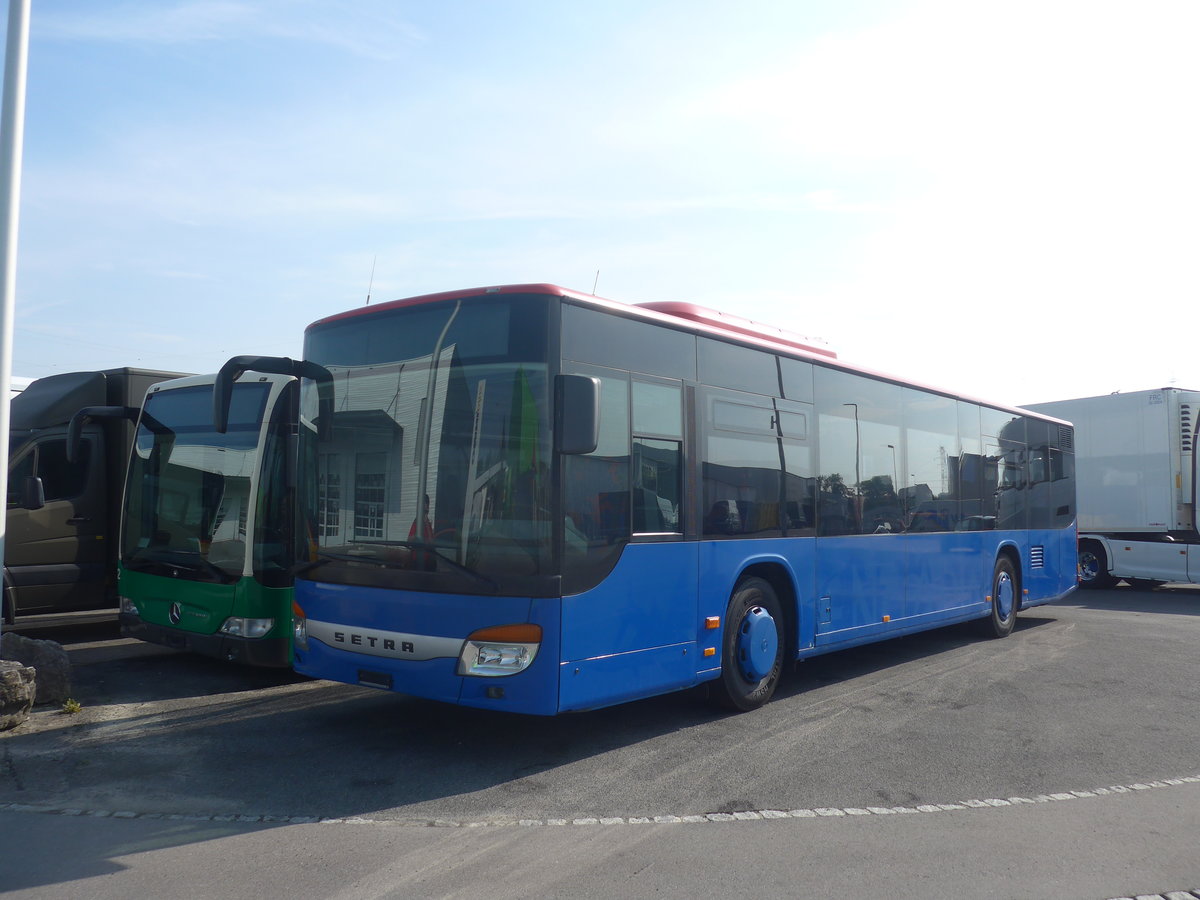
(63, 516)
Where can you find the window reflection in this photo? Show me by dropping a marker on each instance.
(903, 460)
(757, 467)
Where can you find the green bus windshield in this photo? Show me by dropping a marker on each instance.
(188, 496)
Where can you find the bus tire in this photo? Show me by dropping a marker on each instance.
(1093, 567)
(1006, 600)
(752, 647)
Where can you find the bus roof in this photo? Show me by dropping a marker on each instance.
(686, 316)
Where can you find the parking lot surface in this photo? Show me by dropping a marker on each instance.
(1082, 719)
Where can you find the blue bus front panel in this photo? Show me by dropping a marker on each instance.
(635, 634)
(410, 643)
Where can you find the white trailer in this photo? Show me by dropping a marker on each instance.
(1136, 478)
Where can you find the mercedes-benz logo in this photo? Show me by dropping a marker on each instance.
(175, 613)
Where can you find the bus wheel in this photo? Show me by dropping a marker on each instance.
(751, 647)
(1093, 567)
(1006, 594)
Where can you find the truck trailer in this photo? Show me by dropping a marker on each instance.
(62, 517)
(1136, 476)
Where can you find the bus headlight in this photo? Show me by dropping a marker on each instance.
(128, 606)
(500, 650)
(299, 628)
(239, 626)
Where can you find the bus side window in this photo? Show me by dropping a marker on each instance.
(657, 457)
(596, 488)
(657, 479)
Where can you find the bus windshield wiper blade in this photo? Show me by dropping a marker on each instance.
(452, 563)
(325, 556)
(195, 564)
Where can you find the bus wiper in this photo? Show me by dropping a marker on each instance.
(324, 556)
(196, 564)
(450, 561)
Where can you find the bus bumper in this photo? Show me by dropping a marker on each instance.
(273, 652)
(533, 691)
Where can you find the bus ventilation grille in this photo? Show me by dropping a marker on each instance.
(1066, 438)
(1185, 427)
(1037, 557)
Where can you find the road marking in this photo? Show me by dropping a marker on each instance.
(749, 815)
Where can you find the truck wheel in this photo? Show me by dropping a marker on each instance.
(1006, 599)
(752, 647)
(1093, 567)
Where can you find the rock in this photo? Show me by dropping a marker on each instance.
(47, 658)
(16, 693)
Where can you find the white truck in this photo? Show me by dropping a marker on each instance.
(1136, 476)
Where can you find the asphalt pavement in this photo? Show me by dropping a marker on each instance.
(1059, 762)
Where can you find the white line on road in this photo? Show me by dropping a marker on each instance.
(668, 819)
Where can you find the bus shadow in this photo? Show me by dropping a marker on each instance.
(109, 669)
(868, 659)
(211, 740)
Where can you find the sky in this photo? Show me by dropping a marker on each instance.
(998, 199)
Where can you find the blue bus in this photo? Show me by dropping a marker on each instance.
(529, 499)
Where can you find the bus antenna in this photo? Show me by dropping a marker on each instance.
(596, 282)
(371, 281)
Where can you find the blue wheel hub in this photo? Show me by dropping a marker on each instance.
(758, 642)
(1005, 596)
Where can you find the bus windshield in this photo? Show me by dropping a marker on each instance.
(437, 463)
(188, 495)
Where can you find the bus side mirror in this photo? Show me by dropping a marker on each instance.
(578, 413)
(33, 493)
(273, 365)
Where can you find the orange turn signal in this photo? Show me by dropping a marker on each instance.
(502, 634)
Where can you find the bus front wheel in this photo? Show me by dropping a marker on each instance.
(1006, 599)
(752, 647)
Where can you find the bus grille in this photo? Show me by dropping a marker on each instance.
(1185, 427)
(1037, 557)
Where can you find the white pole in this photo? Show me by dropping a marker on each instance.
(12, 134)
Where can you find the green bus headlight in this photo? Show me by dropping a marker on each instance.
(239, 626)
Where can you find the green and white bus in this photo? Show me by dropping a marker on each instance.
(206, 532)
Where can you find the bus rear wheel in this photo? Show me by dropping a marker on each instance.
(1006, 599)
(752, 647)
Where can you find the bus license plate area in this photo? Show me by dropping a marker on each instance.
(367, 678)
